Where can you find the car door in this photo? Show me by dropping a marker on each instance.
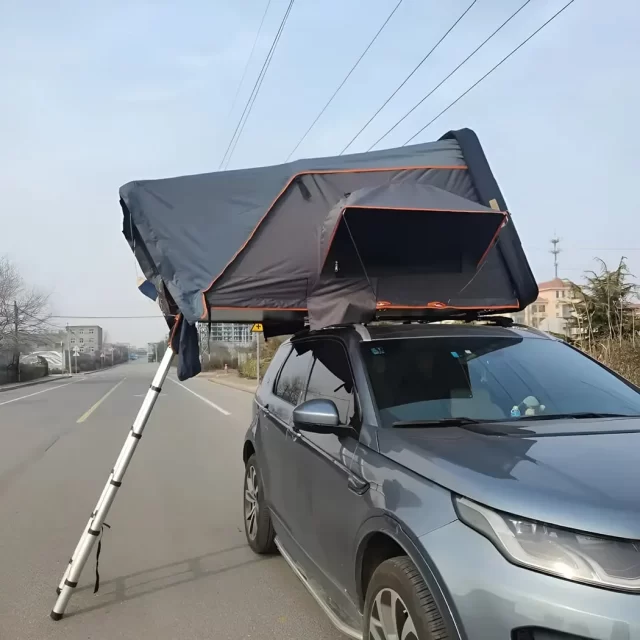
(273, 439)
(330, 495)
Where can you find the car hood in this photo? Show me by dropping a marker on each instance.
(581, 474)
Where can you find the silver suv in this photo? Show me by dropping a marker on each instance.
(432, 481)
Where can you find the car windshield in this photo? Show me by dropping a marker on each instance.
(490, 378)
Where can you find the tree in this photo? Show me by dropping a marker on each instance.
(19, 305)
(603, 306)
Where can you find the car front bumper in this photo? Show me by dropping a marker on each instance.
(493, 598)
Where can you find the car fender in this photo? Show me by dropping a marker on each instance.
(392, 527)
(250, 437)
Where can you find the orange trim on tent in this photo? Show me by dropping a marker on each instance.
(173, 331)
(383, 305)
(360, 206)
(493, 242)
(442, 305)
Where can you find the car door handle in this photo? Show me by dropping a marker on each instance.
(357, 485)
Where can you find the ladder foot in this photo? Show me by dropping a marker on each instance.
(55, 616)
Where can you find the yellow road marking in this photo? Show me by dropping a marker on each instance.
(84, 416)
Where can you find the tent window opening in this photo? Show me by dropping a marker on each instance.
(386, 242)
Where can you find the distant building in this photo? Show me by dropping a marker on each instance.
(552, 310)
(88, 338)
(228, 333)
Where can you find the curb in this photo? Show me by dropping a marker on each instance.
(231, 385)
(31, 383)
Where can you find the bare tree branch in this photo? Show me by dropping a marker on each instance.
(32, 309)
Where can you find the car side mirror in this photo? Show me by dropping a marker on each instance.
(318, 416)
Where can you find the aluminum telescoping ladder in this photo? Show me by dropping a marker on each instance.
(94, 527)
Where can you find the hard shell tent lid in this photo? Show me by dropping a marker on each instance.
(396, 233)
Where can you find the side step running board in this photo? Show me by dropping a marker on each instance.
(337, 623)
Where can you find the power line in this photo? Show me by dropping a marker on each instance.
(486, 75)
(473, 53)
(589, 249)
(386, 102)
(105, 317)
(353, 68)
(604, 249)
(261, 79)
(246, 66)
(254, 92)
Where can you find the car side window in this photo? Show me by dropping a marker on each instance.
(293, 377)
(267, 385)
(331, 379)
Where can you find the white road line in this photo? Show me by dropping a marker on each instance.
(38, 392)
(197, 395)
(85, 415)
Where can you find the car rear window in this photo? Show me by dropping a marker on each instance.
(489, 378)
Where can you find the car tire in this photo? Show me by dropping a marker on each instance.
(399, 602)
(258, 527)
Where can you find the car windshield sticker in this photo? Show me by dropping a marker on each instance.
(377, 351)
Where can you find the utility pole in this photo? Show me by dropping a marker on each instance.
(69, 349)
(258, 357)
(555, 251)
(15, 328)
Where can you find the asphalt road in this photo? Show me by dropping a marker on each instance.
(174, 565)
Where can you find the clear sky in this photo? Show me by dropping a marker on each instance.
(95, 94)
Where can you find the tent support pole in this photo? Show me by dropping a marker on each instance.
(96, 521)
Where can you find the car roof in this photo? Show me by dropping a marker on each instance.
(428, 330)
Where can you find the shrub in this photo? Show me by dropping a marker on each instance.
(623, 357)
(248, 369)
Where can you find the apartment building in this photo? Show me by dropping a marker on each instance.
(88, 338)
(553, 308)
(228, 333)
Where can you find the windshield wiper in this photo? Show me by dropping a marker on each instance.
(443, 422)
(580, 415)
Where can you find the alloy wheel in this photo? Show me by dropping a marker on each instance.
(251, 506)
(390, 618)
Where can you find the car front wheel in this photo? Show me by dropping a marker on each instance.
(399, 605)
(257, 521)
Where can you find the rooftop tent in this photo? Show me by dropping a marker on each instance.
(398, 233)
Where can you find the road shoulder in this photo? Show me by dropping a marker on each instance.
(234, 382)
(13, 386)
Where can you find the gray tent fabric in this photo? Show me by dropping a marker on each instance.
(255, 244)
(397, 260)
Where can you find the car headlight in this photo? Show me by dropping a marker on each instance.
(604, 562)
